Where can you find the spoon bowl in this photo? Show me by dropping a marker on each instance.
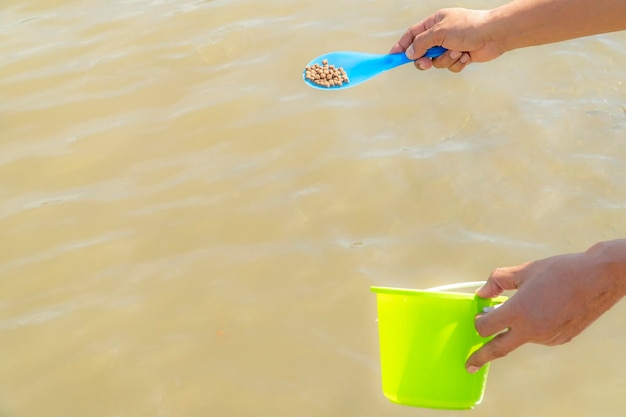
(361, 66)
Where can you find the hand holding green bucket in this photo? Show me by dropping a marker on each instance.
(425, 338)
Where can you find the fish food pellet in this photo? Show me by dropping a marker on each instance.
(326, 75)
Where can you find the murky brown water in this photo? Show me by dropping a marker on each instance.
(189, 230)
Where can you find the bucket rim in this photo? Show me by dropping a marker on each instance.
(431, 293)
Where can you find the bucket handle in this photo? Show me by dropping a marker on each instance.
(457, 286)
(465, 285)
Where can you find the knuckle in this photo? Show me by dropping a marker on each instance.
(498, 352)
(543, 336)
(563, 339)
(480, 329)
(495, 273)
(597, 248)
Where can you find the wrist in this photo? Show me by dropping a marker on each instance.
(612, 256)
(498, 31)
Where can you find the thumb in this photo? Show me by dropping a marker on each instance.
(421, 43)
(500, 280)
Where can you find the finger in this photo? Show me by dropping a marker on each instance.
(421, 43)
(498, 347)
(408, 37)
(447, 59)
(495, 321)
(460, 64)
(423, 64)
(500, 280)
(422, 38)
(397, 48)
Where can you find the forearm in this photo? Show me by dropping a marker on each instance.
(523, 23)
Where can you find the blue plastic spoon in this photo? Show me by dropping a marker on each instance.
(360, 66)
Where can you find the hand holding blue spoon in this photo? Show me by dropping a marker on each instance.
(361, 67)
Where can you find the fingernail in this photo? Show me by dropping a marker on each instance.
(465, 59)
(472, 369)
(410, 51)
(421, 66)
(455, 54)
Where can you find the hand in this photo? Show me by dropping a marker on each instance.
(556, 299)
(463, 32)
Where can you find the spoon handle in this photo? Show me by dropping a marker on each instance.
(434, 52)
(394, 60)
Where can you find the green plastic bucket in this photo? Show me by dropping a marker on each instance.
(426, 336)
